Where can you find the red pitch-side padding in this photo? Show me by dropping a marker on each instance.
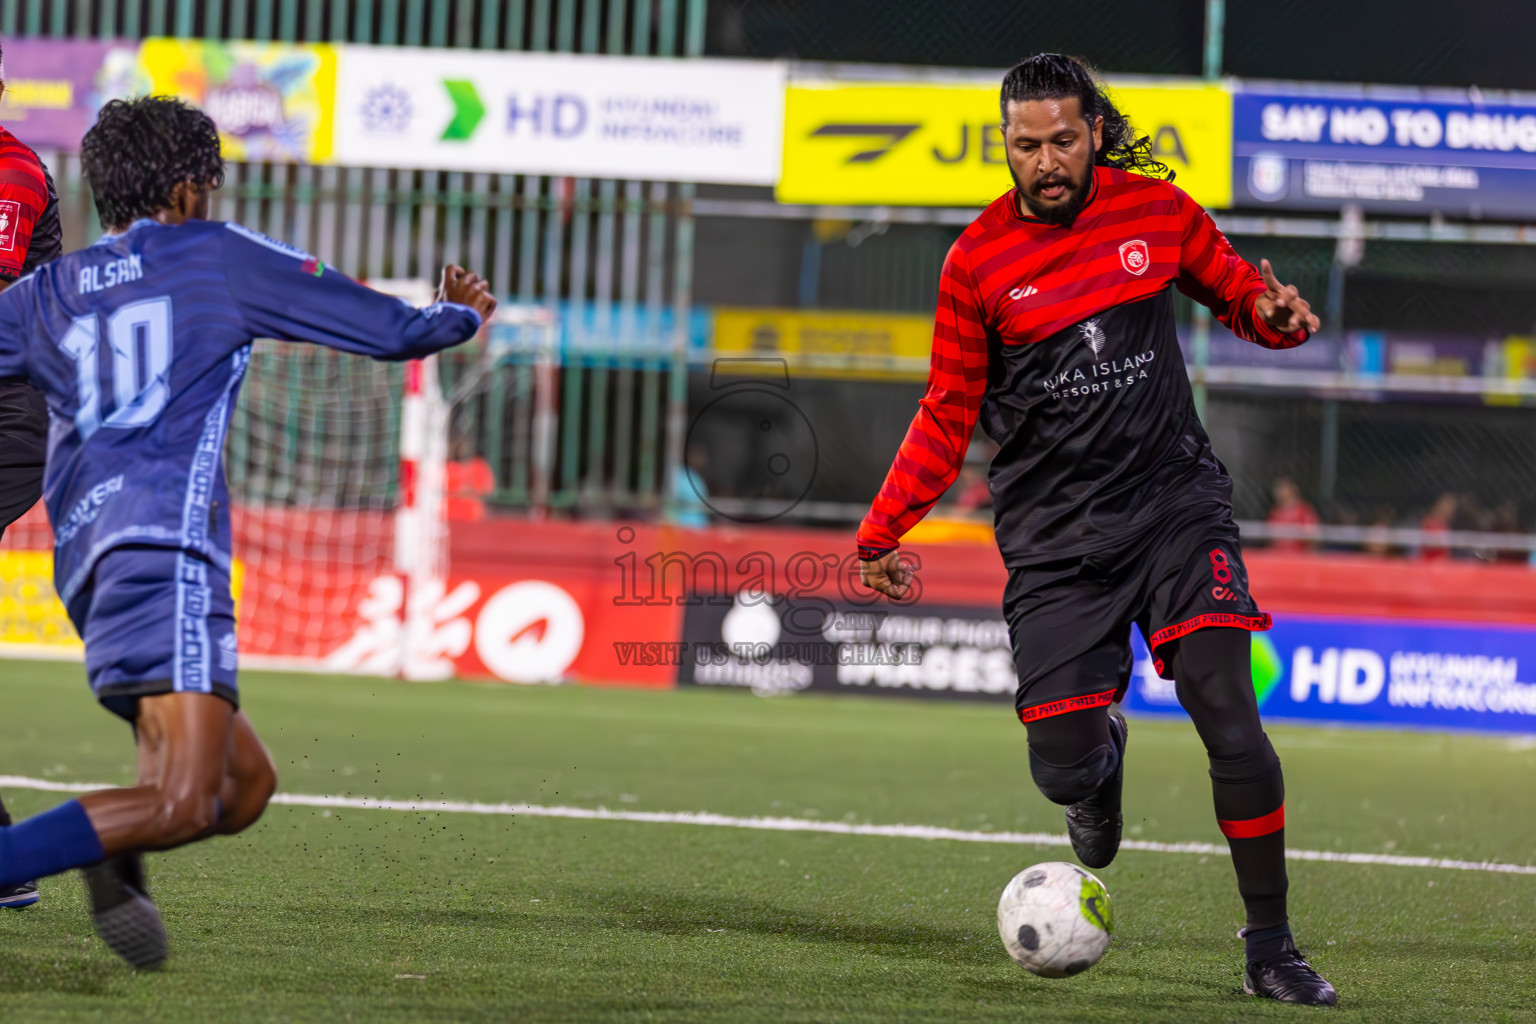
(1253, 828)
(1340, 585)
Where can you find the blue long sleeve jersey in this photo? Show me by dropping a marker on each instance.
(140, 343)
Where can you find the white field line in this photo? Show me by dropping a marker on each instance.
(841, 828)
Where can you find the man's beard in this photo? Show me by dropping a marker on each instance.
(1064, 212)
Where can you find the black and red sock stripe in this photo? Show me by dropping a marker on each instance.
(1254, 828)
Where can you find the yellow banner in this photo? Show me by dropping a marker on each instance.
(940, 145)
(829, 344)
(1516, 361)
(31, 613)
(271, 101)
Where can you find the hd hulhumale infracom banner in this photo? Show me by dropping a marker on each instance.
(586, 116)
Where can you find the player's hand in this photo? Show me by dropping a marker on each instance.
(467, 289)
(887, 574)
(1281, 306)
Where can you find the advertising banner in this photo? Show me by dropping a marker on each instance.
(1317, 149)
(271, 101)
(829, 344)
(33, 621)
(54, 87)
(941, 144)
(1400, 673)
(535, 627)
(780, 646)
(588, 116)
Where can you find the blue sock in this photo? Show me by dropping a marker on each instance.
(1266, 943)
(48, 843)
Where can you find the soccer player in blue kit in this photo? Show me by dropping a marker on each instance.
(139, 344)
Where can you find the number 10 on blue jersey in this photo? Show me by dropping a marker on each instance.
(139, 335)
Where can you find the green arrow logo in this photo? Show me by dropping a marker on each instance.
(467, 110)
(1268, 669)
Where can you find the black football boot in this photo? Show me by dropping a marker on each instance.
(1094, 824)
(1287, 978)
(18, 897)
(125, 918)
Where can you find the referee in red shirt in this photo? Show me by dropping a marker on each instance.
(1055, 327)
(29, 237)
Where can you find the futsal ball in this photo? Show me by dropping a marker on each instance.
(1054, 919)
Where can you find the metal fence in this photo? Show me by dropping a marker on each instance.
(636, 257)
(623, 247)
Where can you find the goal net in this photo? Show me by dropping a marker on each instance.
(337, 467)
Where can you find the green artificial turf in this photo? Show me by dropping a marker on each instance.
(371, 915)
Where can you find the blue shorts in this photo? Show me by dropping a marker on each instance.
(156, 620)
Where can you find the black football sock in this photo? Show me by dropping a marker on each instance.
(1249, 793)
(1265, 943)
(5, 816)
(1214, 680)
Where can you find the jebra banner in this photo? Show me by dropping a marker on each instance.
(939, 143)
(581, 115)
(1381, 672)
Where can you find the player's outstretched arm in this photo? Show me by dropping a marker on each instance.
(291, 296)
(1255, 307)
(933, 451)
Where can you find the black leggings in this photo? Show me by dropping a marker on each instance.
(1071, 755)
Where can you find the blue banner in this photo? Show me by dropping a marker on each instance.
(1317, 150)
(1392, 672)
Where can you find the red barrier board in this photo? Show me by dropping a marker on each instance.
(603, 602)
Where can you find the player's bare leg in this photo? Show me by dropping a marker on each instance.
(250, 778)
(184, 745)
(202, 770)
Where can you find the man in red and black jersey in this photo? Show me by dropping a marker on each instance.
(1055, 328)
(29, 236)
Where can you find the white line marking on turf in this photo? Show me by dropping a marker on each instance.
(841, 828)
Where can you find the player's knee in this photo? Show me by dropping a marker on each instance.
(181, 818)
(1252, 763)
(247, 794)
(1070, 783)
(261, 784)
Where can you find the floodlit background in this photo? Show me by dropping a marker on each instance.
(717, 227)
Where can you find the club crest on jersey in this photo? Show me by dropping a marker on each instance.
(10, 213)
(1135, 256)
(1093, 334)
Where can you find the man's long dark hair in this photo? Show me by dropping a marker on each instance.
(1053, 76)
(140, 150)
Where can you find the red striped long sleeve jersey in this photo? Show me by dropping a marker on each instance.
(29, 211)
(1061, 340)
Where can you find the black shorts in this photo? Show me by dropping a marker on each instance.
(1070, 621)
(23, 448)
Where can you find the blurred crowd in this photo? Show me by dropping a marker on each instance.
(1450, 512)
